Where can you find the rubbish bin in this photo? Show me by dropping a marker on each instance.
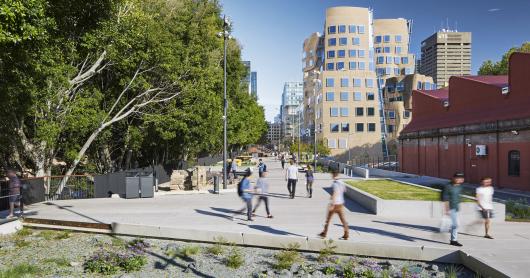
(216, 184)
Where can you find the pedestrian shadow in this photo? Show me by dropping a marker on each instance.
(68, 208)
(211, 213)
(351, 205)
(389, 234)
(190, 267)
(225, 210)
(270, 230)
(410, 226)
(279, 195)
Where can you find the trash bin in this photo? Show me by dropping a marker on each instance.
(216, 184)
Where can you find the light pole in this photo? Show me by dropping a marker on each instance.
(317, 81)
(226, 36)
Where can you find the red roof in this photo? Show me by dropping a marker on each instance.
(495, 80)
(442, 94)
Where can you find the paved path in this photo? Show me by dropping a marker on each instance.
(510, 251)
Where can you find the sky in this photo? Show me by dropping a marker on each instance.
(272, 32)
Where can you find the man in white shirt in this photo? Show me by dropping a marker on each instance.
(337, 206)
(485, 203)
(291, 176)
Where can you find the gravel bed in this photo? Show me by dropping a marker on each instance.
(55, 257)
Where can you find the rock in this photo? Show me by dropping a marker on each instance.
(171, 246)
(295, 268)
(285, 274)
(74, 264)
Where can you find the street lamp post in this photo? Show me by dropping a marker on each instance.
(226, 36)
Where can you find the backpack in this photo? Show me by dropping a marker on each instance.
(240, 187)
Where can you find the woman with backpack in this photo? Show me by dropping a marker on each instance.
(244, 190)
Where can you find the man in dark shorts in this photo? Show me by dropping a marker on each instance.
(14, 193)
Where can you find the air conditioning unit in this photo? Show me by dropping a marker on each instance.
(481, 150)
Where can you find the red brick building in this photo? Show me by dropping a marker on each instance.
(479, 125)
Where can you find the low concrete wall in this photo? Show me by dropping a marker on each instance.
(417, 209)
(374, 172)
(362, 172)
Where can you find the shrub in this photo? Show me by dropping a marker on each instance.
(349, 269)
(326, 252)
(118, 242)
(47, 234)
(287, 257)
(63, 234)
(20, 270)
(452, 271)
(138, 246)
(189, 251)
(24, 232)
(60, 262)
(235, 258)
(21, 243)
(329, 270)
(108, 263)
(218, 248)
(518, 209)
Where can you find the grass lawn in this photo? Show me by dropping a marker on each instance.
(391, 190)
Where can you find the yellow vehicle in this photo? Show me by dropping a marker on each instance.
(237, 160)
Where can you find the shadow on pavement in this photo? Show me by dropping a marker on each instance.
(210, 213)
(390, 234)
(171, 261)
(68, 208)
(270, 230)
(410, 226)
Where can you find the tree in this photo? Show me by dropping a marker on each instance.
(501, 67)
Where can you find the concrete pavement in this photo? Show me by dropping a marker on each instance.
(301, 217)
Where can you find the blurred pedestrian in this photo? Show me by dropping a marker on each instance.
(262, 167)
(484, 195)
(244, 190)
(15, 197)
(262, 189)
(291, 176)
(233, 170)
(309, 181)
(336, 205)
(282, 158)
(451, 199)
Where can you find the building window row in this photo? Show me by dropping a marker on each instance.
(344, 96)
(334, 29)
(344, 41)
(392, 60)
(345, 127)
(387, 39)
(388, 49)
(357, 82)
(359, 112)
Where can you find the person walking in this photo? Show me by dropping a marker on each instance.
(451, 199)
(262, 167)
(233, 169)
(336, 205)
(309, 181)
(244, 190)
(484, 195)
(15, 197)
(282, 158)
(262, 188)
(291, 176)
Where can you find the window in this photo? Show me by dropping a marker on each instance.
(342, 28)
(340, 65)
(514, 163)
(361, 66)
(359, 127)
(360, 29)
(344, 112)
(353, 65)
(343, 144)
(397, 60)
(345, 127)
(344, 82)
(330, 82)
(356, 41)
(392, 114)
(390, 128)
(398, 49)
(332, 42)
(380, 71)
(406, 114)
(332, 29)
(388, 71)
(405, 60)
(418, 86)
(330, 66)
(378, 50)
(396, 71)
(370, 96)
(386, 38)
(377, 39)
(361, 53)
(369, 83)
(352, 28)
(356, 82)
(370, 111)
(334, 112)
(359, 111)
(409, 70)
(341, 53)
(389, 60)
(330, 96)
(334, 127)
(352, 53)
(331, 54)
(386, 49)
(357, 96)
(344, 96)
(371, 127)
(380, 60)
(343, 41)
(332, 143)
(398, 38)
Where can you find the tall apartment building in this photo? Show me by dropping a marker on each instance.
(251, 80)
(352, 60)
(444, 54)
(274, 134)
(292, 109)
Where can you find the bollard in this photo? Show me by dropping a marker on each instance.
(216, 184)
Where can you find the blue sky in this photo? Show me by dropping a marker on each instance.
(272, 31)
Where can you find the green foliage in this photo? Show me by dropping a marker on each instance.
(349, 270)
(218, 247)
(24, 232)
(20, 270)
(189, 251)
(501, 67)
(327, 251)
(60, 262)
(235, 258)
(287, 257)
(109, 263)
(118, 242)
(329, 270)
(451, 271)
(368, 273)
(518, 209)
(47, 234)
(64, 234)
(21, 243)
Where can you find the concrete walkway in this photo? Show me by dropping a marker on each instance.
(509, 251)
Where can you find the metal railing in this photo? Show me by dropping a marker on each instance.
(390, 163)
(76, 187)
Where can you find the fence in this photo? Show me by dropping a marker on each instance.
(390, 163)
(41, 189)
